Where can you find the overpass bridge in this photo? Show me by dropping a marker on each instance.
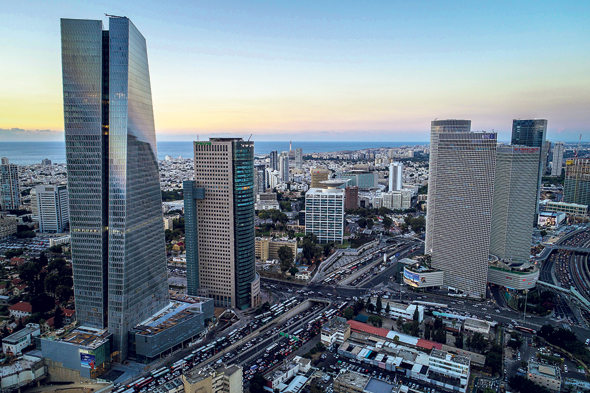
(571, 292)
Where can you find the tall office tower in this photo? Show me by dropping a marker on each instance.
(396, 171)
(219, 222)
(274, 160)
(51, 205)
(9, 185)
(546, 154)
(557, 164)
(284, 166)
(259, 179)
(324, 214)
(351, 197)
(117, 230)
(460, 196)
(299, 158)
(532, 133)
(319, 175)
(576, 187)
(513, 210)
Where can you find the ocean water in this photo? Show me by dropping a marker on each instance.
(27, 153)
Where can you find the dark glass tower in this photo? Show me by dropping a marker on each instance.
(219, 224)
(118, 246)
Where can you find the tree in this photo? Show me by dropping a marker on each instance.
(63, 293)
(293, 271)
(348, 313)
(257, 383)
(370, 307)
(375, 320)
(58, 265)
(263, 215)
(543, 233)
(387, 309)
(494, 358)
(387, 222)
(51, 283)
(370, 223)
(362, 222)
(379, 305)
(285, 254)
(58, 318)
(328, 249)
(416, 316)
(384, 211)
(399, 322)
(459, 341)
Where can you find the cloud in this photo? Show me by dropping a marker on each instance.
(20, 135)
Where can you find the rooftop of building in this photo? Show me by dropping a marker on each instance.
(280, 370)
(324, 191)
(477, 323)
(198, 374)
(544, 370)
(15, 337)
(335, 324)
(419, 267)
(176, 312)
(351, 378)
(513, 267)
(464, 360)
(567, 204)
(378, 386)
(82, 336)
(277, 240)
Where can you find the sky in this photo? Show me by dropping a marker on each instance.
(319, 70)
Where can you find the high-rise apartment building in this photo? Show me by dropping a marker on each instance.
(513, 211)
(319, 175)
(284, 166)
(46, 162)
(259, 179)
(557, 163)
(9, 185)
(219, 224)
(576, 188)
(396, 173)
(299, 158)
(115, 203)
(545, 154)
(351, 197)
(324, 214)
(460, 197)
(51, 207)
(532, 133)
(274, 160)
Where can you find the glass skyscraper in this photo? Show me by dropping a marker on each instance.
(118, 246)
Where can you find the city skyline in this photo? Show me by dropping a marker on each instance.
(309, 72)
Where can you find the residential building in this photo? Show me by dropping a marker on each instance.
(219, 224)
(336, 331)
(267, 248)
(299, 158)
(267, 201)
(169, 223)
(513, 212)
(351, 382)
(545, 375)
(274, 160)
(115, 202)
(460, 200)
(569, 208)
(284, 167)
(8, 225)
(532, 133)
(259, 179)
(16, 342)
(324, 214)
(557, 163)
(317, 176)
(9, 185)
(282, 373)
(351, 197)
(576, 188)
(396, 176)
(20, 310)
(396, 200)
(443, 366)
(51, 203)
(46, 162)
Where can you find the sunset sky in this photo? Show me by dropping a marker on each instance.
(319, 70)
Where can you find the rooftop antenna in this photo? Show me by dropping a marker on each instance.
(114, 16)
(249, 137)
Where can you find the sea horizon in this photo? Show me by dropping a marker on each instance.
(29, 153)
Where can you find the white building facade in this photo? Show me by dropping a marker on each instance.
(324, 214)
(396, 171)
(52, 208)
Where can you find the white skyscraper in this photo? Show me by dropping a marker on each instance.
(557, 164)
(460, 198)
(324, 214)
(51, 203)
(396, 171)
(299, 158)
(9, 185)
(284, 166)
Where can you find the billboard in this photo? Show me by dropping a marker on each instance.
(87, 360)
(411, 278)
(547, 221)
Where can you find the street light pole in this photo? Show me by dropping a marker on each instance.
(526, 292)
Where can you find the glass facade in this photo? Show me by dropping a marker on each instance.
(118, 245)
(243, 163)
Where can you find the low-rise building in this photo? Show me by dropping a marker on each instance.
(8, 225)
(445, 368)
(573, 209)
(336, 330)
(421, 276)
(16, 342)
(267, 201)
(267, 248)
(545, 375)
(20, 310)
(477, 326)
(350, 382)
(513, 275)
(397, 310)
(220, 379)
(281, 374)
(18, 373)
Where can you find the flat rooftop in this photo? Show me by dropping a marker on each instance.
(325, 191)
(82, 336)
(450, 357)
(544, 370)
(335, 324)
(377, 386)
(353, 379)
(176, 312)
(14, 338)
